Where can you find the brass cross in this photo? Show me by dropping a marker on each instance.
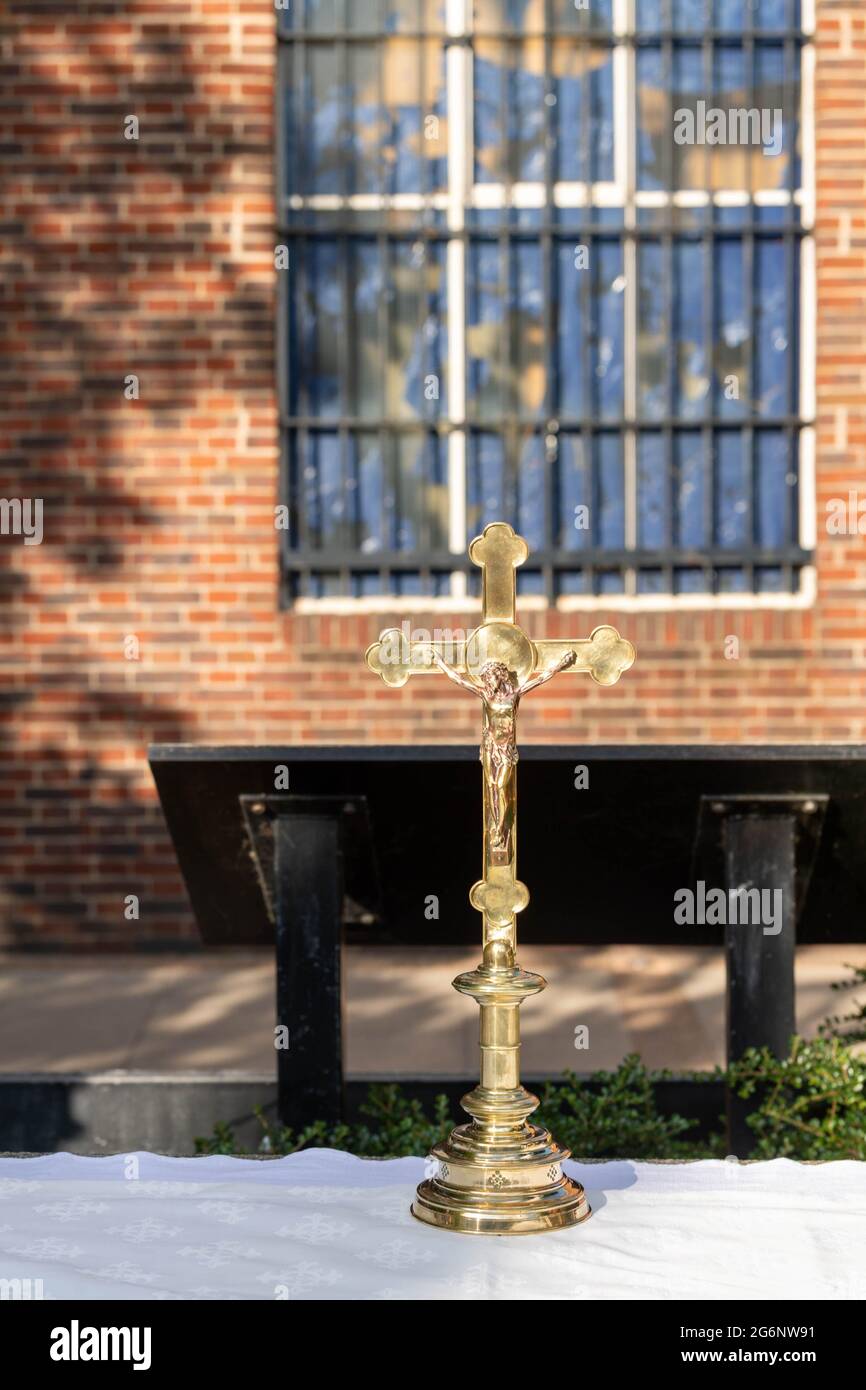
(500, 1174)
(499, 663)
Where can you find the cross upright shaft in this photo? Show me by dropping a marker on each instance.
(499, 664)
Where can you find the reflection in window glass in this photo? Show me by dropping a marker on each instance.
(654, 347)
(652, 119)
(731, 375)
(583, 113)
(528, 384)
(509, 111)
(692, 383)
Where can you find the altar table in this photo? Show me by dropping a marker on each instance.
(327, 1225)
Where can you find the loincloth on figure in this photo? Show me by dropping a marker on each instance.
(499, 755)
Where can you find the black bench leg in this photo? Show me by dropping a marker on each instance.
(308, 911)
(760, 852)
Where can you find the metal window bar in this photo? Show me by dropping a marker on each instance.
(550, 302)
(303, 221)
(669, 320)
(708, 449)
(749, 276)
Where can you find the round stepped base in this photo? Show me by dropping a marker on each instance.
(519, 1190)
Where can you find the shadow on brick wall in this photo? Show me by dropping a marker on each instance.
(127, 305)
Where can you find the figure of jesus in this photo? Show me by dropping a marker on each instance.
(501, 696)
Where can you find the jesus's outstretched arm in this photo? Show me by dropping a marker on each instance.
(562, 665)
(456, 676)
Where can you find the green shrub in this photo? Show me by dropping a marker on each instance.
(398, 1128)
(616, 1117)
(810, 1105)
(837, 1026)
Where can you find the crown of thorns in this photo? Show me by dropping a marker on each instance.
(495, 668)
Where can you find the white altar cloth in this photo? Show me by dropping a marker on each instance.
(327, 1225)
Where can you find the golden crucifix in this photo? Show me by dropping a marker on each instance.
(500, 1175)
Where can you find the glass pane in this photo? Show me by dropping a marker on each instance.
(370, 495)
(334, 16)
(527, 381)
(369, 359)
(689, 16)
(397, 499)
(687, 163)
(648, 15)
(415, 379)
(695, 16)
(485, 483)
(652, 503)
(692, 383)
(583, 15)
(320, 16)
(509, 111)
(730, 15)
(653, 345)
(731, 350)
(364, 15)
(486, 340)
(395, 16)
(772, 350)
(573, 305)
(367, 118)
(610, 520)
(775, 483)
(653, 144)
(590, 321)
(774, 14)
(530, 493)
(375, 122)
(413, 92)
(574, 489)
(582, 116)
(528, 16)
(411, 508)
(777, 95)
(319, 133)
(690, 479)
(518, 15)
(433, 345)
(607, 344)
(732, 507)
(438, 511)
(505, 331)
(318, 367)
(324, 503)
(731, 163)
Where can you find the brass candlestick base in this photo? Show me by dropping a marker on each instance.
(518, 1198)
(500, 1175)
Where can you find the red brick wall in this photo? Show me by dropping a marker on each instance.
(155, 258)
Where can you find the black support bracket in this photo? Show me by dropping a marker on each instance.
(298, 848)
(768, 843)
